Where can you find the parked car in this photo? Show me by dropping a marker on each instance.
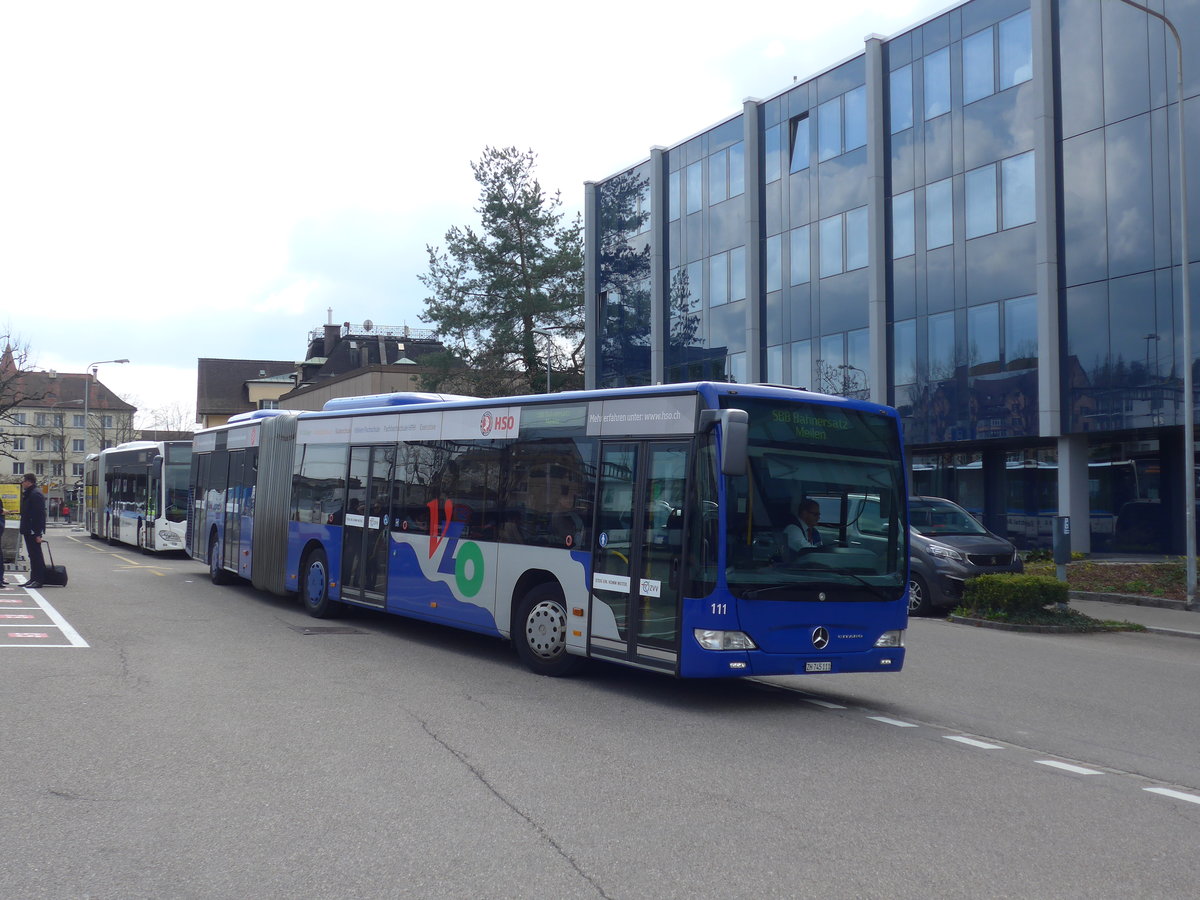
(948, 546)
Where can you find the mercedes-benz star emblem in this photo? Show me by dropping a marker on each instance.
(820, 637)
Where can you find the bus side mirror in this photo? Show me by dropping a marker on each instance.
(735, 435)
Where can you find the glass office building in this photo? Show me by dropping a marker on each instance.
(976, 221)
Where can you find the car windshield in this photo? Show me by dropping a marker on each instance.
(937, 517)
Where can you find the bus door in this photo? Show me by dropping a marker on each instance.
(637, 552)
(366, 525)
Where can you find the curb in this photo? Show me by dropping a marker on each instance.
(1010, 626)
(1131, 600)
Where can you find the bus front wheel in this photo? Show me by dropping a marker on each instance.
(540, 634)
(314, 585)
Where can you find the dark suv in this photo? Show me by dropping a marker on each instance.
(949, 545)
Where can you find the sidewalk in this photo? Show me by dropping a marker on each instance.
(1158, 616)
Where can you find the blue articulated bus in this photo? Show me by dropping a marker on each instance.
(644, 526)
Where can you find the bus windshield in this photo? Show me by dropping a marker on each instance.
(820, 506)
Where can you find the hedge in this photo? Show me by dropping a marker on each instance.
(1013, 593)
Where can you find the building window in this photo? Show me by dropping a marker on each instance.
(1016, 50)
(903, 225)
(979, 65)
(77, 421)
(726, 174)
(901, 95)
(983, 339)
(1020, 333)
(57, 420)
(1016, 178)
(774, 273)
(268, 404)
(904, 356)
(106, 421)
(77, 446)
(981, 201)
(56, 469)
(842, 124)
(18, 443)
(673, 195)
(941, 346)
(39, 468)
(19, 419)
(737, 273)
(40, 420)
(718, 279)
(77, 469)
(694, 183)
(937, 83)
(18, 468)
(56, 444)
(843, 242)
(800, 267)
(830, 233)
(800, 143)
(939, 214)
(39, 443)
(802, 363)
(775, 364)
(773, 169)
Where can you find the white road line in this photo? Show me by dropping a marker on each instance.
(824, 704)
(1067, 767)
(62, 624)
(971, 742)
(886, 721)
(1178, 795)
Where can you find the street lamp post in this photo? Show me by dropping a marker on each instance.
(548, 336)
(1189, 413)
(87, 396)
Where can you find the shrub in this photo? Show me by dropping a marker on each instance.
(1013, 594)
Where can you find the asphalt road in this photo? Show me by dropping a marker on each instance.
(208, 742)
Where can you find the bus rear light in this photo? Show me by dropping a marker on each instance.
(891, 639)
(724, 640)
(577, 611)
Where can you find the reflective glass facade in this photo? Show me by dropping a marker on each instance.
(976, 220)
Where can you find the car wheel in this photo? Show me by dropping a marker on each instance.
(919, 601)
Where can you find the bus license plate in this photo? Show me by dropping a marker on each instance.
(818, 666)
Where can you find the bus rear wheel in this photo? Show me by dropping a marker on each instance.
(540, 635)
(314, 586)
(216, 573)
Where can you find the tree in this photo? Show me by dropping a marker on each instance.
(14, 390)
(493, 289)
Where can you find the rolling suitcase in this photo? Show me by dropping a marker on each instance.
(55, 575)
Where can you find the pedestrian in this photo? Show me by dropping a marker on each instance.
(66, 512)
(33, 528)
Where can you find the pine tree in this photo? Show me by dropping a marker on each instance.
(493, 289)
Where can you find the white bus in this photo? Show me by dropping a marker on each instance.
(136, 493)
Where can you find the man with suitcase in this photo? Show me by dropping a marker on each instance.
(33, 528)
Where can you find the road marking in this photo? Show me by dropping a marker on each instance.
(886, 721)
(60, 623)
(824, 704)
(1067, 767)
(1178, 795)
(971, 742)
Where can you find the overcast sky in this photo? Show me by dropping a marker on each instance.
(184, 180)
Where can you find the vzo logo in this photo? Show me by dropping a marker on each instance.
(466, 565)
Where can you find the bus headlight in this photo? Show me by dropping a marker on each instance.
(724, 640)
(891, 639)
(168, 537)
